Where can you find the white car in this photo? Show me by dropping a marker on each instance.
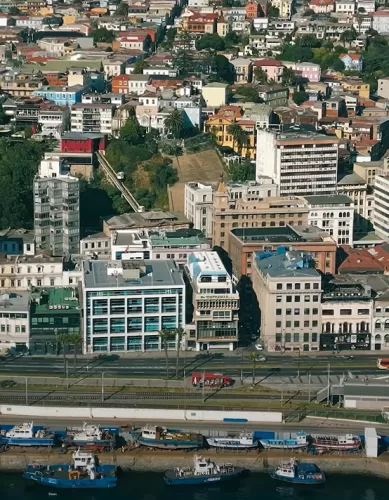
(259, 347)
(262, 359)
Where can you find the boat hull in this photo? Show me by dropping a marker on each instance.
(235, 445)
(43, 476)
(171, 479)
(281, 445)
(27, 441)
(338, 447)
(296, 480)
(168, 444)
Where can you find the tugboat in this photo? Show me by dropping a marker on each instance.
(300, 441)
(84, 473)
(89, 436)
(244, 441)
(204, 471)
(25, 435)
(298, 473)
(160, 437)
(345, 442)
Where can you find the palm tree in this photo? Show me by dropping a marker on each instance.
(243, 140)
(175, 123)
(75, 340)
(179, 332)
(63, 339)
(166, 335)
(254, 357)
(235, 130)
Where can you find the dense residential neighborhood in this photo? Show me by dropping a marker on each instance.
(194, 175)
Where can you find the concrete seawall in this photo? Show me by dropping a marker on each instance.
(158, 461)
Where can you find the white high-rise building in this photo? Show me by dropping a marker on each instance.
(301, 163)
(56, 208)
(381, 206)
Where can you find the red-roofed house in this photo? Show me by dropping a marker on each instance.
(364, 260)
(322, 6)
(352, 62)
(272, 68)
(129, 40)
(200, 23)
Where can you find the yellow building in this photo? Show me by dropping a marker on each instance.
(219, 126)
(284, 7)
(357, 87)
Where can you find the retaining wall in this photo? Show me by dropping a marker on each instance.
(142, 414)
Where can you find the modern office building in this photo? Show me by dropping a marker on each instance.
(301, 162)
(347, 312)
(334, 214)
(381, 206)
(215, 303)
(244, 243)
(126, 303)
(56, 208)
(54, 311)
(288, 289)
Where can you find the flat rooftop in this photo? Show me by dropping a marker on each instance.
(18, 302)
(288, 264)
(153, 273)
(145, 219)
(55, 301)
(179, 238)
(332, 199)
(285, 234)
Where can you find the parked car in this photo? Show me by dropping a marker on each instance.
(262, 359)
(259, 347)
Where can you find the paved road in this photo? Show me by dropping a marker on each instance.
(232, 364)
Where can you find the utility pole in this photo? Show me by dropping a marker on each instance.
(26, 391)
(328, 383)
(102, 387)
(298, 365)
(309, 387)
(203, 386)
(67, 373)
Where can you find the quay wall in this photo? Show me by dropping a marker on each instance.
(158, 461)
(143, 414)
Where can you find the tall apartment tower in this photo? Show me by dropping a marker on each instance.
(56, 208)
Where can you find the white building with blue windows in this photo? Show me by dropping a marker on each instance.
(126, 303)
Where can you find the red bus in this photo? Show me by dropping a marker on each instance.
(383, 363)
(210, 379)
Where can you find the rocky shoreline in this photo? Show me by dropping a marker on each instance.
(158, 461)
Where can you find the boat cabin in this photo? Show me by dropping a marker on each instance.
(83, 460)
(24, 431)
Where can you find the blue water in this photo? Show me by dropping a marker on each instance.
(150, 486)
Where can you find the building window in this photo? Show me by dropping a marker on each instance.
(288, 324)
(278, 312)
(278, 324)
(288, 312)
(345, 312)
(328, 312)
(315, 311)
(288, 337)
(38, 282)
(289, 286)
(288, 298)
(279, 298)
(279, 286)
(307, 286)
(297, 286)
(306, 324)
(297, 324)
(52, 281)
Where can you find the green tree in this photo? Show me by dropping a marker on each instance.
(182, 58)
(310, 41)
(348, 36)
(254, 358)
(308, 13)
(338, 65)
(179, 334)
(288, 77)
(260, 75)
(223, 68)
(175, 123)
(273, 12)
(166, 336)
(122, 9)
(295, 53)
(14, 11)
(299, 97)
(231, 39)
(210, 41)
(139, 66)
(131, 131)
(242, 171)
(103, 35)
(236, 131)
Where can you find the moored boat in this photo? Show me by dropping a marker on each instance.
(160, 437)
(243, 441)
(344, 442)
(89, 436)
(300, 441)
(83, 473)
(296, 472)
(203, 471)
(26, 435)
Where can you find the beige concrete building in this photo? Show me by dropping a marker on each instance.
(356, 188)
(383, 87)
(288, 289)
(229, 214)
(215, 94)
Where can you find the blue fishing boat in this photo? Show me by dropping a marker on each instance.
(296, 472)
(203, 471)
(83, 473)
(300, 441)
(26, 435)
(160, 437)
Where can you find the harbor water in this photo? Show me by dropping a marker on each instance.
(150, 486)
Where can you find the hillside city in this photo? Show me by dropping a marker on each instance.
(194, 175)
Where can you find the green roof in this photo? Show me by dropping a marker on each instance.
(56, 301)
(178, 239)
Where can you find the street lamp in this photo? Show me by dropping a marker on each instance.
(26, 391)
(102, 386)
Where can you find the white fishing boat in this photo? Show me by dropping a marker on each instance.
(244, 440)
